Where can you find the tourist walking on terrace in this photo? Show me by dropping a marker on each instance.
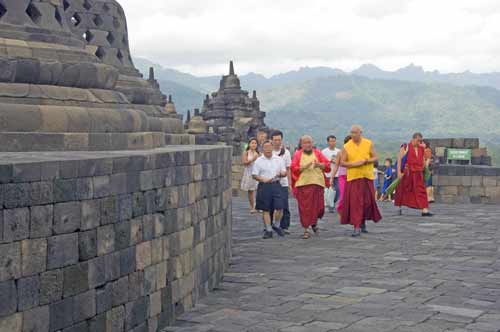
(261, 138)
(342, 178)
(279, 150)
(388, 177)
(360, 205)
(309, 181)
(268, 170)
(411, 190)
(248, 183)
(332, 193)
(429, 163)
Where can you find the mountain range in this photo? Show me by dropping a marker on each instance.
(389, 104)
(253, 81)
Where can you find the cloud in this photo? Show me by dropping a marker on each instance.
(275, 36)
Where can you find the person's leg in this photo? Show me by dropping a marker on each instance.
(278, 215)
(277, 206)
(285, 219)
(336, 187)
(328, 200)
(251, 200)
(266, 217)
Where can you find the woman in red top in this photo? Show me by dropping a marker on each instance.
(411, 191)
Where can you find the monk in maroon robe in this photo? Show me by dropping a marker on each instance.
(411, 191)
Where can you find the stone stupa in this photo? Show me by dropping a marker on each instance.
(67, 81)
(233, 115)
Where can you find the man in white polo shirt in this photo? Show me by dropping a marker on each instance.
(330, 153)
(280, 151)
(268, 170)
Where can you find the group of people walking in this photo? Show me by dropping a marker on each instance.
(341, 179)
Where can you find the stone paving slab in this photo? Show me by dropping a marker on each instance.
(408, 274)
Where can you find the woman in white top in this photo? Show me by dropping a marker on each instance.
(248, 184)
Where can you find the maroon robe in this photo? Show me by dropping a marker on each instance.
(359, 203)
(411, 191)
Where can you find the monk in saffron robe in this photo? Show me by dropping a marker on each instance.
(360, 205)
(411, 190)
(309, 168)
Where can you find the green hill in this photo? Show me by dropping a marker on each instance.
(184, 97)
(389, 110)
(321, 101)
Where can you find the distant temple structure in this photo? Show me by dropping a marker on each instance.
(230, 114)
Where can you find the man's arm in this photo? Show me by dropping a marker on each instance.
(373, 154)
(346, 164)
(260, 179)
(400, 160)
(288, 165)
(256, 176)
(283, 169)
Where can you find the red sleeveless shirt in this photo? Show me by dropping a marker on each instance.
(415, 162)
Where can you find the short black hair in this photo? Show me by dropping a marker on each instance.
(418, 135)
(331, 137)
(389, 160)
(277, 133)
(267, 142)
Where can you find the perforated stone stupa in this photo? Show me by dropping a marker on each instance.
(232, 114)
(67, 81)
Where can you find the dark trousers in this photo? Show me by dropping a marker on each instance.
(337, 190)
(285, 220)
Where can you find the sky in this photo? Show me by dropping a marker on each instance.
(275, 36)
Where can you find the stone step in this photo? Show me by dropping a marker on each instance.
(31, 141)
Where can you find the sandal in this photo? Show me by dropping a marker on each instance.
(253, 211)
(306, 235)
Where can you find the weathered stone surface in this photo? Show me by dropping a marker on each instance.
(12, 323)
(16, 224)
(87, 244)
(37, 320)
(41, 219)
(90, 214)
(135, 313)
(34, 256)
(104, 298)
(76, 279)
(105, 240)
(67, 217)
(51, 286)
(120, 291)
(61, 314)
(28, 292)
(8, 305)
(115, 319)
(62, 250)
(10, 261)
(143, 255)
(84, 306)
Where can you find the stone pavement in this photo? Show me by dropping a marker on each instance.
(408, 274)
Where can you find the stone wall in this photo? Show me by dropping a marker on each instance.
(467, 184)
(237, 174)
(441, 145)
(111, 241)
